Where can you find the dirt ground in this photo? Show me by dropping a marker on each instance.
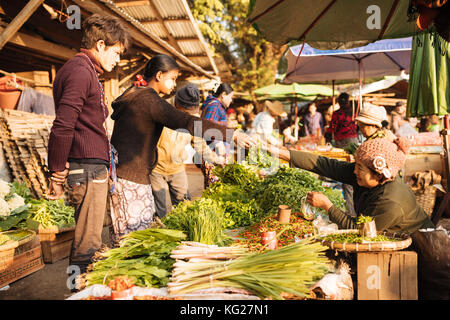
(50, 283)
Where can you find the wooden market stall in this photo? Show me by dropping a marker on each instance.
(36, 38)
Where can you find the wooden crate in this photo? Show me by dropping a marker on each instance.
(387, 275)
(56, 245)
(27, 260)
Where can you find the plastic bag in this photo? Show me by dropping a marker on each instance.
(308, 212)
(335, 286)
(433, 255)
(323, 226)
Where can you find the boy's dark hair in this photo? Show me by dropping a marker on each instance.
(107, 28)
(160, 62)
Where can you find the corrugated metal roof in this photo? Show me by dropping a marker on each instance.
(172, 21)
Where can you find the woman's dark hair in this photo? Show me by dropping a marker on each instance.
(160, 62)
(224, 87)
(107, 28)
(343, 99)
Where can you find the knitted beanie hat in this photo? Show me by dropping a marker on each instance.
(188, 96)
(383, 156)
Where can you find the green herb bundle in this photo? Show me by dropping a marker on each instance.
(202, 220)
(143, 256)
(364, 219)
(291, 269)
(50, 213)
(236, 174)
(288, 186)
(240, 208)
(354, 238)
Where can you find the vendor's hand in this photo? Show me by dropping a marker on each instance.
(243, 140)
(319, 200)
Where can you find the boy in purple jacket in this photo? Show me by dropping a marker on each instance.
(79, 148)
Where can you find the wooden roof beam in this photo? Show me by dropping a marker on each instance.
(40, 45)
(19, 21)
(145, 38)
(170, 37)
(132, 3)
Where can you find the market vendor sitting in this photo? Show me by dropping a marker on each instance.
(370, 121)
(378, 190)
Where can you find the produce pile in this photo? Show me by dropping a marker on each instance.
(50, 213)
(355, 237)
(297, 229)
(290, 270)
(201, 220)
(143, 256)
(242, 198)
(13, 204)
(18, 209)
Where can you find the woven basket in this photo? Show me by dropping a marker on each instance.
(7, 254)
(403, 241)
(426, 198)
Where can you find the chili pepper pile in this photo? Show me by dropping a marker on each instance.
(297, 228)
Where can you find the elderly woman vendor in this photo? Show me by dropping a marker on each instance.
(378, 190)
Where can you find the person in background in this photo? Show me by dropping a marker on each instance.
(343, 127)
(370, 122)
(398, 117)
(140, 114)
(313, 121)
(288, 129)
(169, 174)
(434, 125)
(215, 109)
(216, 105)
(344, 131)
(264, 122)
(78, 147)
(241, 117)
(231, 118)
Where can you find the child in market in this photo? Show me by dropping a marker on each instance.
(169, 174)
(139, 115)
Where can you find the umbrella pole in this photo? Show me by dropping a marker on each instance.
(296, 116)
(445, 133)
(360, 87)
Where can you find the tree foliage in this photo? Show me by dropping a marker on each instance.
(253, 60)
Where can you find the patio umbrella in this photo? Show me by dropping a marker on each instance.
(429, 89)
(378, 59)
(294, 90)
(332, 24)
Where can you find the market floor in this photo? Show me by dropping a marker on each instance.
(51, 280)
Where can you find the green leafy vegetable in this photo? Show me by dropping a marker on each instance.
(143, 256)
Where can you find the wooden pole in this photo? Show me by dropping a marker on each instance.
(19, 21)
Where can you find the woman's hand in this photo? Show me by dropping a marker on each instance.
(319, 200)
(243, 140)
(277, 151)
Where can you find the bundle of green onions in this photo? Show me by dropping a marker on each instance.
(272, 274)
(202, 220)
(144, 256)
